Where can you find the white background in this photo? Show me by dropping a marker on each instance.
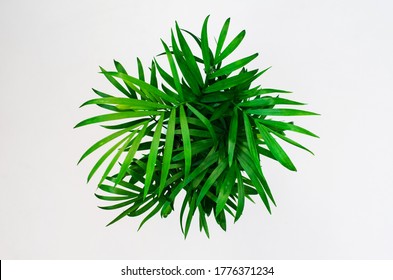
(334, 55)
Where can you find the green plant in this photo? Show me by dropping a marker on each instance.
(202, 131)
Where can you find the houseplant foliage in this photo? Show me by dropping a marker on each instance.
(195, 131)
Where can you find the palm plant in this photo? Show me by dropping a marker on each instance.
(200, 128)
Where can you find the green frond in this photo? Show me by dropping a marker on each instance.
(190, 123)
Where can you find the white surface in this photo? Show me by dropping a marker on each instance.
(335, 55)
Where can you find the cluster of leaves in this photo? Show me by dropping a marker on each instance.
(201, 131)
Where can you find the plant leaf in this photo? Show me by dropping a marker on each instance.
(254, 179)
(240, 198)
(115, 83)
(174, 71)
(131, 153)
(214, 175)
(121, 69)
(189, 57)
(231, 47)
(186, 141)
(149, 88)
(128, 103)
(103, 141)
(268, 101)
(233, 66)
(230, 82)
(287, 126)
(205, 121)
(170, 134)
(232, 136)
(275, 148)
(116, 116)
(226, 188)
(221, 38)
(290, 141)
(205, 46)
(280, 112)
(151, 162)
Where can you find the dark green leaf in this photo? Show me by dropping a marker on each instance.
(116, 116)
(174, 71)
(205, 46)
(186, 141)
(290, 141)
(170, 134)
(221, 38)
(205, 121)
(231, 82)
(189, 57)
(103, 141)
(231, 47)
(131, 153)
(232, 136)
(149, 88)
(121, 69)
(127, 103)
(233, 66)
(268, 101)
(152, 213)
(287, 126)
(216, 173)
(153, 155)
(280, 112)
(240, 190)
(226, 188)
(115, 83)
(254, 179)
(275, 148)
